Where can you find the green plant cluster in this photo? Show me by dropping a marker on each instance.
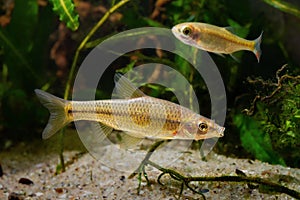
(66, 12)
(22, 58)
(280, 120)
(255, 140)
(270, 132)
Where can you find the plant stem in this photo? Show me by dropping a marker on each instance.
(85, 40)
(74, 63)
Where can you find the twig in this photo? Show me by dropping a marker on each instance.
(186, 181)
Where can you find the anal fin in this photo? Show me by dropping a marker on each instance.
(236, 57)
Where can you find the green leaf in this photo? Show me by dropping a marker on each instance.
(17, 42)
(127, 68)
(255, 140)
(7, 43)
(152, 22)
(66, 12)
(241, 31)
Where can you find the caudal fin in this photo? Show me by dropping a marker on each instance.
(58, 115)
(257, 50)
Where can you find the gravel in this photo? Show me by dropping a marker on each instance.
(88, 178)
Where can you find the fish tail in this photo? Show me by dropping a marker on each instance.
(257, 50)
(58, 112)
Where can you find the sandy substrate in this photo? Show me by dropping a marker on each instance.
(88, 178)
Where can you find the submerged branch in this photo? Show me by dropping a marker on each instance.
(278, 85)
(186, 180)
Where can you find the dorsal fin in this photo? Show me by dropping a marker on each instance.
(125, 89)
(230, 29)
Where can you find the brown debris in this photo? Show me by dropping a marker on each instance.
(26, 181)
(59, 190)
(15, 196)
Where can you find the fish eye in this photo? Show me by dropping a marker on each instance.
(187, 30)
(203, 127)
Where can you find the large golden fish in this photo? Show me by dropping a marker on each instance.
(140, 116)
(215, 39)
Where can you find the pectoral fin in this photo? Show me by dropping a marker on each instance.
(127, 141)
(219, 54)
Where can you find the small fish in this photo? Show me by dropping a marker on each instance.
(215, 39)
(138, 115)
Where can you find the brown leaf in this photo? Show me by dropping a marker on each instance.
(4, 20)
(8, 8)
(42, 3)
(83, 8)
(62, 49)
(158, 8)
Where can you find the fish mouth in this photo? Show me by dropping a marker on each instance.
(175, 30)
(220, 131)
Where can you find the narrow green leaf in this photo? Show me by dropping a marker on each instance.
(241, 31)
(13, 49)
(66, 12)
(152, 22)
(284, 7)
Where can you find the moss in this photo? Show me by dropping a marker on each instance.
(278, 117)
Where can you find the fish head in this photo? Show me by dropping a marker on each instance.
(186, 33)
(208, 128)
(200, 128)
